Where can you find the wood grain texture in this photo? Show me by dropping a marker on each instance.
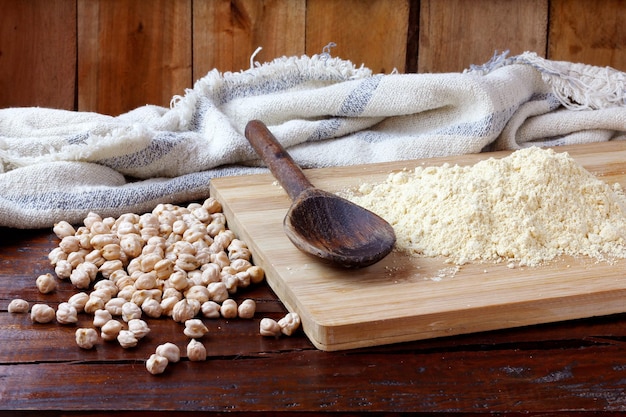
(372, 33)
(132, 53)
(348, 309)
(37, 53)
(455, 34)
(573, 368)
(589, 32)
(304, 381)
(226, 33)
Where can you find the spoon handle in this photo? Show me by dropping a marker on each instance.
(280, 163)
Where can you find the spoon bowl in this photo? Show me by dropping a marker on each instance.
(320, 223)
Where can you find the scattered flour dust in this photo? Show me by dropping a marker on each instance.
(529, 208)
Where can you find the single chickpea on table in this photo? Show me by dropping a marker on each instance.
(18, 306)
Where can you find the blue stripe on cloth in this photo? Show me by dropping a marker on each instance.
(359, 98)
(79, 139)
(325, 129)
(111, 197)
(202, 107)
(552, 100)
(492, 124)
(259, 87)
(159, 146)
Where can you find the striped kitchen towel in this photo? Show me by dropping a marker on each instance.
(60, 165)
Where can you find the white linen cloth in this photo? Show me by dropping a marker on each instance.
(59, 165)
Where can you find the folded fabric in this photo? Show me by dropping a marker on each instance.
(59, 165)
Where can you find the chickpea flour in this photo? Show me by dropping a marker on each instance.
(528, 208)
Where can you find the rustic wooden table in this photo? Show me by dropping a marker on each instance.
(571, 367)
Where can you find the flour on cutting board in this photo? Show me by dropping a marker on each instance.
(416, 274)
(529, 208)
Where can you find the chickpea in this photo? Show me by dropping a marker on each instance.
(140, 296)
(185, 309)
(211, 310)
(212, 205)
(195, 329)
(167, 305)
(152, 308)
(127, 339)
(196, 351)
(198, 292)
(139, 328)
(156, 364)
(42, 313)
(164, 269)
(95, 257)
(101, 317)
(218, 291)
(63, 229)
(66, 314)
(170, 351)
(130, 311)
(246, 309)
(289, 323)
(18, 306)
(112, 251)
(110, 330)
(256, 274)
(69, 244)
(101, 240)
(78, 301)
(80, 278)
(93, 304)
(46, 283)
(146, 281)
(114, 306)
(229, 309)
(269, 327)
(63, 269)
(86, 338)
(91, 219)
(56, 255)
(108, 267)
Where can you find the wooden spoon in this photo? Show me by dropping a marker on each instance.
(320, 223)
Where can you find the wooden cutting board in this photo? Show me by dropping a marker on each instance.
(405, 298)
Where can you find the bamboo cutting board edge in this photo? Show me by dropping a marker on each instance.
(329, 329)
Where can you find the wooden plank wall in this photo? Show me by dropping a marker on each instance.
(110, 56)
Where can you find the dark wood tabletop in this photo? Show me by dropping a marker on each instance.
(570, 367)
